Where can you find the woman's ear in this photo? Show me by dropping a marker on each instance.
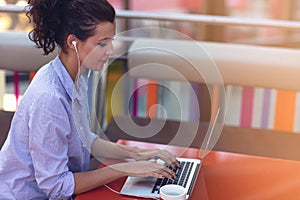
(72, 41)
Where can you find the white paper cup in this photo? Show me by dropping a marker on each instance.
(172, 192)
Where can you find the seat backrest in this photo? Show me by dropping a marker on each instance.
(18, 53)
(243, 65)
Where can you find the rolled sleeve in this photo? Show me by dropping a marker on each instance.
(48, 146)
(92, 137)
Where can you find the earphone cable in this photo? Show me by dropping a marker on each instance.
(78, 63)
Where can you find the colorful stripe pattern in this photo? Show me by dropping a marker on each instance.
(170, 100)
(246, 106)
(263, 108)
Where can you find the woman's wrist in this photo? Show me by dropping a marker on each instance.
(121, 169)
(134, 153)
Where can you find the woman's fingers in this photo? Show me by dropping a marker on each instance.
(160, 171)
(164, 171)
(156, 154)
(169, 158)
(144, 169)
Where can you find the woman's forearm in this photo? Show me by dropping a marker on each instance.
(106, 149)
(85, 181)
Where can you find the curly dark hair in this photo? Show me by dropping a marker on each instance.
(54, 20)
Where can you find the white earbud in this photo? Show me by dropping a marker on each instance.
(74, 43)
(75, 46)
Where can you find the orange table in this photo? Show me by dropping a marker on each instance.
(227, 176)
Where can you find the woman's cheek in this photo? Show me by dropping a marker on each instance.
(93, 58)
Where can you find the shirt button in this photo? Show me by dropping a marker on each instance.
(81, 128)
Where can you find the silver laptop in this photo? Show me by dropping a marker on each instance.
(186, 175)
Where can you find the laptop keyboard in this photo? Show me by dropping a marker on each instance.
(182, 174)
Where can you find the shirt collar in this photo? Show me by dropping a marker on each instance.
(64, 77)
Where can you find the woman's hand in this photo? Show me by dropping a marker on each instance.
(148, 154)
(110, 150)
(144, 169)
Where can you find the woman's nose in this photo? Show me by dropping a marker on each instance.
(110, 49)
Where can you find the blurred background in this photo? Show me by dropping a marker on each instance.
(246, 9)
(251, 9)
(13, 84)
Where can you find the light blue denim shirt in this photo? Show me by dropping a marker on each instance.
(44, 148)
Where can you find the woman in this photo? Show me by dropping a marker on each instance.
(44, 156)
